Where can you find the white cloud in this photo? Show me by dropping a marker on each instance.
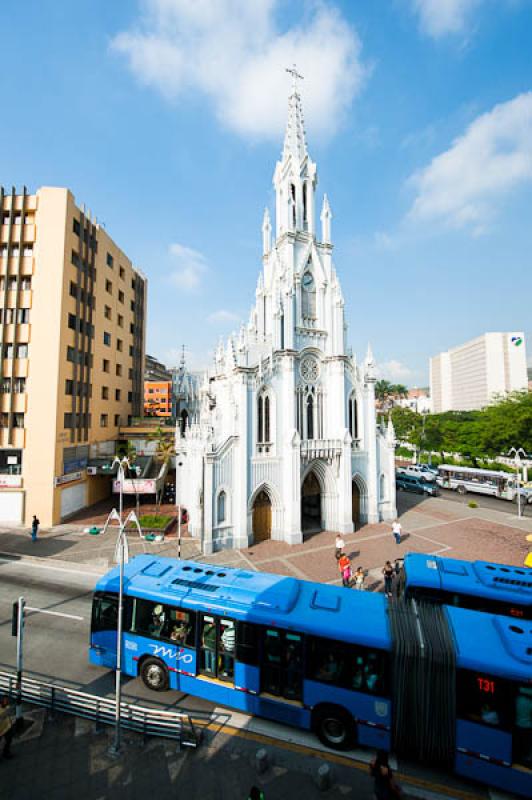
(223, 316)
(463, 185)
(233, 52)
(394, 370)
(443, 17)
(191, 266)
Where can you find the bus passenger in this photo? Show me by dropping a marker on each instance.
(179, 633)
(329, 669)
(208, 641)
(158, 618)
(489, 715)
(228, 642)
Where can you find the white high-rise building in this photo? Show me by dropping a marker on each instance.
(285, 440)
(473, 374)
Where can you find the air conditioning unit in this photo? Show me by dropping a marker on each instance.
(92, 470)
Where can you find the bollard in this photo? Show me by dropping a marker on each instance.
(323, 778)
(261, 760)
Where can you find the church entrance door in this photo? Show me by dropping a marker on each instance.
(311, 504)
(262, 518)
(355, 497)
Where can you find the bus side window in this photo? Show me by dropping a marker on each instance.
(105, 612)
(368, 671)
(483, 698)
(208, 644)
(327, 660)
(271, 661)
(182, 627)
(247, 646)
(150, 619)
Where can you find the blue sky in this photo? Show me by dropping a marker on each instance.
(166, 118)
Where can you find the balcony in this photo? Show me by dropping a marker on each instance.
(325, 449)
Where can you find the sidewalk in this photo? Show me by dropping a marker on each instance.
(432, 525)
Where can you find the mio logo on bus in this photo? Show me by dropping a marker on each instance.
(171, 652)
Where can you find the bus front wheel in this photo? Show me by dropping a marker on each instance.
(154, 675)
(334, 727)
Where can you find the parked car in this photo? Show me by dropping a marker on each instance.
(416, 484)
(418, 471)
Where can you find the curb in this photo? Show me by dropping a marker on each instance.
(55, 563)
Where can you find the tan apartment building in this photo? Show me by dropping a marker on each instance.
(72, 328)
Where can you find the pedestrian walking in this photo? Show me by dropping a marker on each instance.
(384, 785)
(339, 545)
(359, 579)
(344, 565)
(6, 726)
(396, 530)
(34, 528)
(388, 572)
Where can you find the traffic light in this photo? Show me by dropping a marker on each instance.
(14, 617)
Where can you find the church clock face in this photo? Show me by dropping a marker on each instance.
(309, 369)
(307, 281)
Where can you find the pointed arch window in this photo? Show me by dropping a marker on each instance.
(353, 419)
(305, 213)
(264, 423)
(293, 197)
(310, 417)
(221, 507)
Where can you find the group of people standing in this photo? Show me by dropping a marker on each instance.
(355, 579)
(350, 579)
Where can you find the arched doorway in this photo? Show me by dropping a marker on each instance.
(183, 419)
(262, 517)
(355, 500)
(311, 504)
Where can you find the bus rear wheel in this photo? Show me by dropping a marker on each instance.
(154, 675)
(334, 727)
(461, 490)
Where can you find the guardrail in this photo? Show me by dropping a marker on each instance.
(101, 710)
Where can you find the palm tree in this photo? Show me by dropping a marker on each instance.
(164, 451)
(383, 390)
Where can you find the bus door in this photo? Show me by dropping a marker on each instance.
(104, 625)
(282, 664)
(217, 648)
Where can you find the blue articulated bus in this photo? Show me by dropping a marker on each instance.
(480, 585)
(346, 664)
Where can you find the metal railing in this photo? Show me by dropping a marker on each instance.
(101, 710)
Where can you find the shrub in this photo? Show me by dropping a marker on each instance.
(472, 504)
(154, 521)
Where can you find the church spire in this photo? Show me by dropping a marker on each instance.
(326, 217)
(295, 144)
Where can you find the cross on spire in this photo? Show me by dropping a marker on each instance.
(295, 77)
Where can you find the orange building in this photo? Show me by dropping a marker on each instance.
(158, 398)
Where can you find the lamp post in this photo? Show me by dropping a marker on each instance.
(178, 464)
(122, 556)
(517, 454)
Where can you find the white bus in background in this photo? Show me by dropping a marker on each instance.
(482, 481)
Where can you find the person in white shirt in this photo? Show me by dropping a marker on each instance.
(396, 530)
(339, 545)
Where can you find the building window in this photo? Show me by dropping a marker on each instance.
(119, 345)
(132, 306)
(4, 418)
(117, 420)
(28, 250)
(105, 365)
(119, 370)
(132, 328)
(130, 397)
(25, 284)
(383, 487)
(75, 258)
(104, 420)
(19, 385)
(263, 421)
(120, 296)
(69, 386)
(22, 351)
(120, 320)
(5, 385)
(105, 393)
(18, 420)
(220, 515)
(4, 250)
(109, 260)
(107, 338)
(353, 418)
(130, 374)
(8, 351)
(131, 350)
(109, 287)
(76, 227)
(17, 219)
(23, 316)
(122, 272)
(107, 312)
(118, 395)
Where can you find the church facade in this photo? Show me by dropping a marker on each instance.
(283, 439)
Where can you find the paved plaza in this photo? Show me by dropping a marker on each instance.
(432, 525)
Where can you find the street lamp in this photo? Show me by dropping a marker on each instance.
(178, 464)
(518, 454)
(122, 556)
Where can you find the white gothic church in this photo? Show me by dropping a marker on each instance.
(283, 439)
